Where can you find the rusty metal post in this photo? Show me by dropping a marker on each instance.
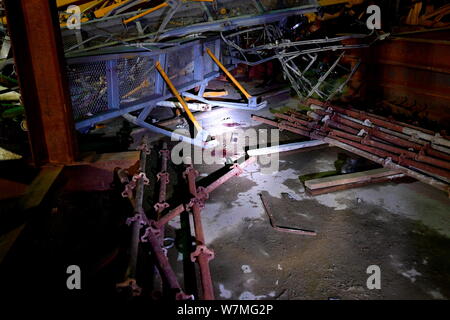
(202, 254)
(163, 178)
(39, 59)
(136, 222)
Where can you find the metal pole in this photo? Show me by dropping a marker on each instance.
(202, 254)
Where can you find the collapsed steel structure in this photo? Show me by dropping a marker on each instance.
(298, 57)
(114, 29)
(148, 227)
(118, 77)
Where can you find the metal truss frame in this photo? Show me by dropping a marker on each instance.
(201, 76)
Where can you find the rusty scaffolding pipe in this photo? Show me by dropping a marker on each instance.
(202, 254)
(384, 161)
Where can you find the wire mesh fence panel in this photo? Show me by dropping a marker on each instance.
(136, 78)
(208, 63)
(180, 66)
(88, 89)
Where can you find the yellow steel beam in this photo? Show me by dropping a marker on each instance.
(103, 11)
(325, 3)
(178, 96)
(66, 3)
(146, 12)
(229, 75)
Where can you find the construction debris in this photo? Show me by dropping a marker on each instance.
(268, 210)
(413, 151)
(148, 227)
(352, 180)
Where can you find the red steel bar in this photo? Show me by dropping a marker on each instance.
(279, 228)
(378, 159)
(383, 146)
(163, 264)
(391, 125)
(281, 126)
(235, 171)
(293, 118)
(163, 177)
(399, 159)
(170, 215)
(391, 139)
(202, 255)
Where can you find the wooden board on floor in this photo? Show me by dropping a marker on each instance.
(394, 178)
(349, 178)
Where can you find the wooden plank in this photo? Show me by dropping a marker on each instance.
(394, 178)
(40, 186)
(349, 178)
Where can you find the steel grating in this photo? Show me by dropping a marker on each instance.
(180, 67)
(88, 89)
(136, 78)
(107, 86)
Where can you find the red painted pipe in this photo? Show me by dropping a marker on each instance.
(202, 257)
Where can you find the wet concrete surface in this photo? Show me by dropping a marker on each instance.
(397, 227)
(402, 228)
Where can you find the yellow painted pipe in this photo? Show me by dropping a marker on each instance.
(140, 15)
(325, 3)
(178, 96)
(100, 13)
(233, 79)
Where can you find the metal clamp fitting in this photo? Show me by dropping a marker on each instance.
(201, 250)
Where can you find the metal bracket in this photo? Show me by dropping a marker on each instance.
(143, 176)
(202, 250)
(136, 218)
(144, 148)
(152, 228)
(164, 177)
(160, 206)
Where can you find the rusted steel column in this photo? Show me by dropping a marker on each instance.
(136, 222)
(202, 254)
(163, 178)
(39, 59)
(153, 237)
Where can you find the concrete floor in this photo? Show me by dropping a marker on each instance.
(402, 228)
